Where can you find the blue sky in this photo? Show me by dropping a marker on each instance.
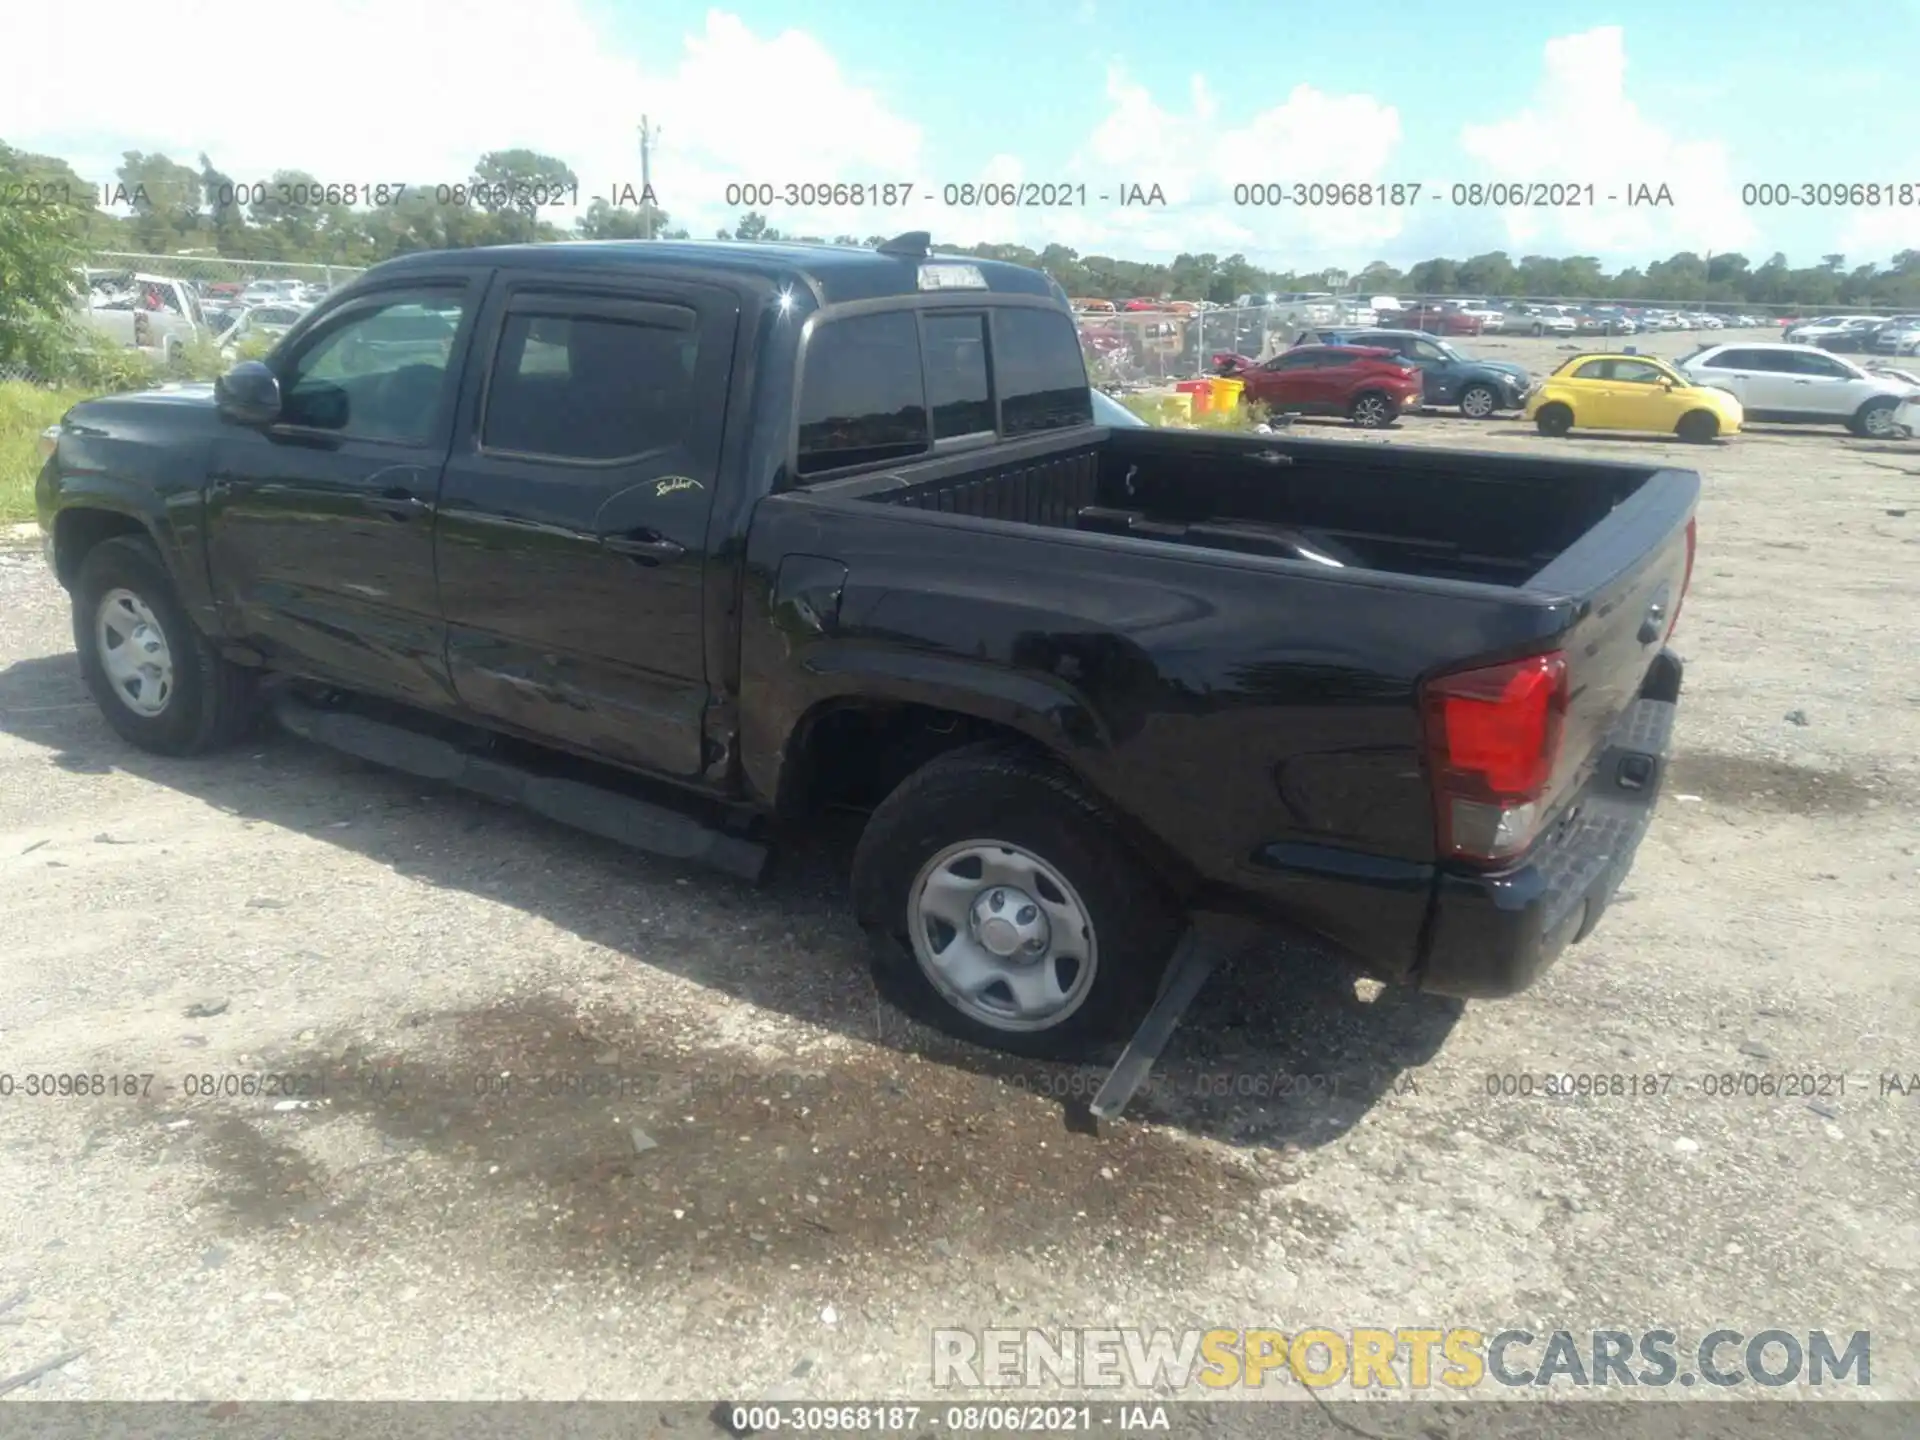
(1703, 97)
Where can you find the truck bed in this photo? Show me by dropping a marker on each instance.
(1437, 514)
(1160, 602)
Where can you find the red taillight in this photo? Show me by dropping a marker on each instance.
(1686, 579)
(1493, 739)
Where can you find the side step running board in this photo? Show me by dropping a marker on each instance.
(606, 813)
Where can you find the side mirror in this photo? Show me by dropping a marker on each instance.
(248, 394)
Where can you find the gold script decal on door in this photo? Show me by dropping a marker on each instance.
(673, 484)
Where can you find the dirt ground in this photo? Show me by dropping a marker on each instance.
(764, 1181)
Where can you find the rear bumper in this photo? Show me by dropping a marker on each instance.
(1494, 934)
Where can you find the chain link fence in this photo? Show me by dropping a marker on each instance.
(208, 270)
(1143, 350)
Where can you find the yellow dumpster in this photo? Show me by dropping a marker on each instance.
(1226, 393)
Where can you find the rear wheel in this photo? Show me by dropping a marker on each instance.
(1371, 410)
(157, 680)
(1553, 419)
(1875, 419)
(1002, 908)
(1478, 401)
(1697, 427)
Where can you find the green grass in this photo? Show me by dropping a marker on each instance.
(1160, 411)
(26, 410)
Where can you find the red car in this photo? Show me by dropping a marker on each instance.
(1442, 320)
(1371, 387)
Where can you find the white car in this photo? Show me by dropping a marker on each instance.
(271, 292)
(1900, 336)
(1797, 384)
(1492, 319)
(1538, 320)
(260, 322)
(1907, 418)
(1812, 332)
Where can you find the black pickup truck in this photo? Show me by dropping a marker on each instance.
(677, 541)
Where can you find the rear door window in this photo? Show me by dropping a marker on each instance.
(957, 389)
(600, 384)
(1040, 371)
(887, 387)
(864, 399)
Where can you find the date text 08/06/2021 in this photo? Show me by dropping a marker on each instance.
(1258, 194)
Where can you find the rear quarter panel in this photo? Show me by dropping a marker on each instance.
(1227, 705)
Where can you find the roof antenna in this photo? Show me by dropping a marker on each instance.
(913, 245)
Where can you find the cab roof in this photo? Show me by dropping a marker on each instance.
(834, 273)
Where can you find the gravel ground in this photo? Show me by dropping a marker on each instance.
(791, 1186)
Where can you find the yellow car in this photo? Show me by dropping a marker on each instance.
(1610, 391)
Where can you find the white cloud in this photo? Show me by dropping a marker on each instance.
(1583, 129)
(1197, 157)
(437, 91)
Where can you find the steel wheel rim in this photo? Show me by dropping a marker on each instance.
(1023, 964)
(1477, 402)
(134, 652)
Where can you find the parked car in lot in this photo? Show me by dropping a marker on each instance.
(259, 322)
(270, 292)
(1539, 320)
(1443, 318)
(1825, 328)
(1631, 392)
(1597, 321)
(1798, 384)
(156, 313)
(1448, 377)
(681, 519)
(1899, 335)
(1372, 387)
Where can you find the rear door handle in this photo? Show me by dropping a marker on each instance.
(646, 547)
(398, 504)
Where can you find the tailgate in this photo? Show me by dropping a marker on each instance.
(1627, 577)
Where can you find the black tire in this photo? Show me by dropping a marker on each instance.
(1876, 412)
(1373, 410)
(211, 701)
(1697, 427)
(1003, 793)
(1489, 402)
(1555, 419)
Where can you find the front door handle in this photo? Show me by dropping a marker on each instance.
(398, 504)
(645, 547)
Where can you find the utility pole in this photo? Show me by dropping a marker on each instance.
(647, 136)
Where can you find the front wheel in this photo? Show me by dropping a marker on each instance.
(157, 680)
(1875, 421)
(1553, 420)
(1371, 411)
(1477, 402)
(1698, 428)
(1003, 909)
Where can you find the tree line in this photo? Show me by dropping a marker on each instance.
(176, 208)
